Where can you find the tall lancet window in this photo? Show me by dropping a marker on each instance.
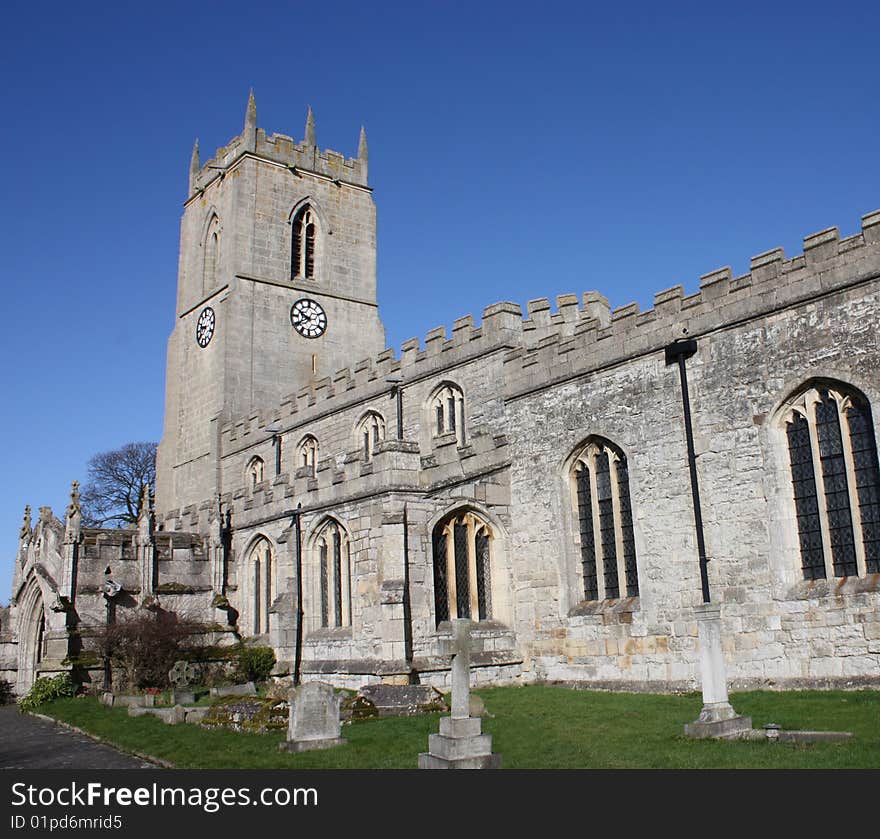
(261, 580)
(211, 256)
(462, 547)
(308, 454)
(600, 490)
(302, 253)
(255, 473)
(369, 433)
(447, 412)
(334, 575)
(835, 482)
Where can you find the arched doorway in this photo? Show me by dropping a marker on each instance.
(32, 634)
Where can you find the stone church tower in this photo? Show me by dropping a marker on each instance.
(276, 289)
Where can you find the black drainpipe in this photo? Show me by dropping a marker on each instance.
(297, 661)
(407, 606)
(679, 351)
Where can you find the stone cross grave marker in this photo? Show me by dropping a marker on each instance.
(181, 676)
(460, 743)
(460, 647)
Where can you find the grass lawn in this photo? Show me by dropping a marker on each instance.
(533, 727)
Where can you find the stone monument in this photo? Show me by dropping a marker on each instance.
(314, 718)
(717, 718)
(460, 743)
(182, 676)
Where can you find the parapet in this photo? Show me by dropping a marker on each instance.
(304, 156)
(570, 345)
(583, 334)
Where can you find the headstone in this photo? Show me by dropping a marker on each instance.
(247, 689)
(403, 700)
(460, 743)
(170, 716)
(183, 674)
(314, 718)
(196, 715)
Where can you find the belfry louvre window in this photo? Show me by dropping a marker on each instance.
(835, 481)
(302, 253)
(600, 478)
(334, 564)
(211, 255)
(462, 549)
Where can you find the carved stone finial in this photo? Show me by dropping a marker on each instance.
(250, 123)
(145, 512)
(363, 151)
(26, 533)
(250, 117)
(310, 129)
(73, 515)
(195, 164)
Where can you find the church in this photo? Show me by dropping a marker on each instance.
(573, 478)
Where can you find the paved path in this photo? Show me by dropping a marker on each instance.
(30, 743)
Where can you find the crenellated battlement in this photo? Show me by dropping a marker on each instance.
(580, 335)
(568, 345)
(304, 156)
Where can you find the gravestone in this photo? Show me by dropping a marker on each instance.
(181, 676)
(314, 718)
(247, 689)
(460, 743)
(403, 700)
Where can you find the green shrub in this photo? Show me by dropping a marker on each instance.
(45, 689)
(254, 664)
(143, 647)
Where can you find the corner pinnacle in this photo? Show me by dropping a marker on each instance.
(310, 129)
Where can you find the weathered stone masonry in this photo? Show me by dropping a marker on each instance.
(541, 458)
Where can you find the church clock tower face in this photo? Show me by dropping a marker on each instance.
(308, 318)
(205, 327)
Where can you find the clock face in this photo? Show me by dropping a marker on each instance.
(205, 327)
(308, 318)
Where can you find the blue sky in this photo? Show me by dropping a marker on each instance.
(516, 151)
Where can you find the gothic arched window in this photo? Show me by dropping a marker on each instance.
(369, 433)
(600, 488)
(255, 473)
(303, 243)
(211, 255)
(447, 412)
(835, 481)
(333, 562)
(260, 572)
(462, 551)
(308, 454)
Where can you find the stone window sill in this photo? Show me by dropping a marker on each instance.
(816, 589)
(329, 633)
(618, 606)
(486, 627)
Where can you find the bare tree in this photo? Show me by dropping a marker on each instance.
(116, 480)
